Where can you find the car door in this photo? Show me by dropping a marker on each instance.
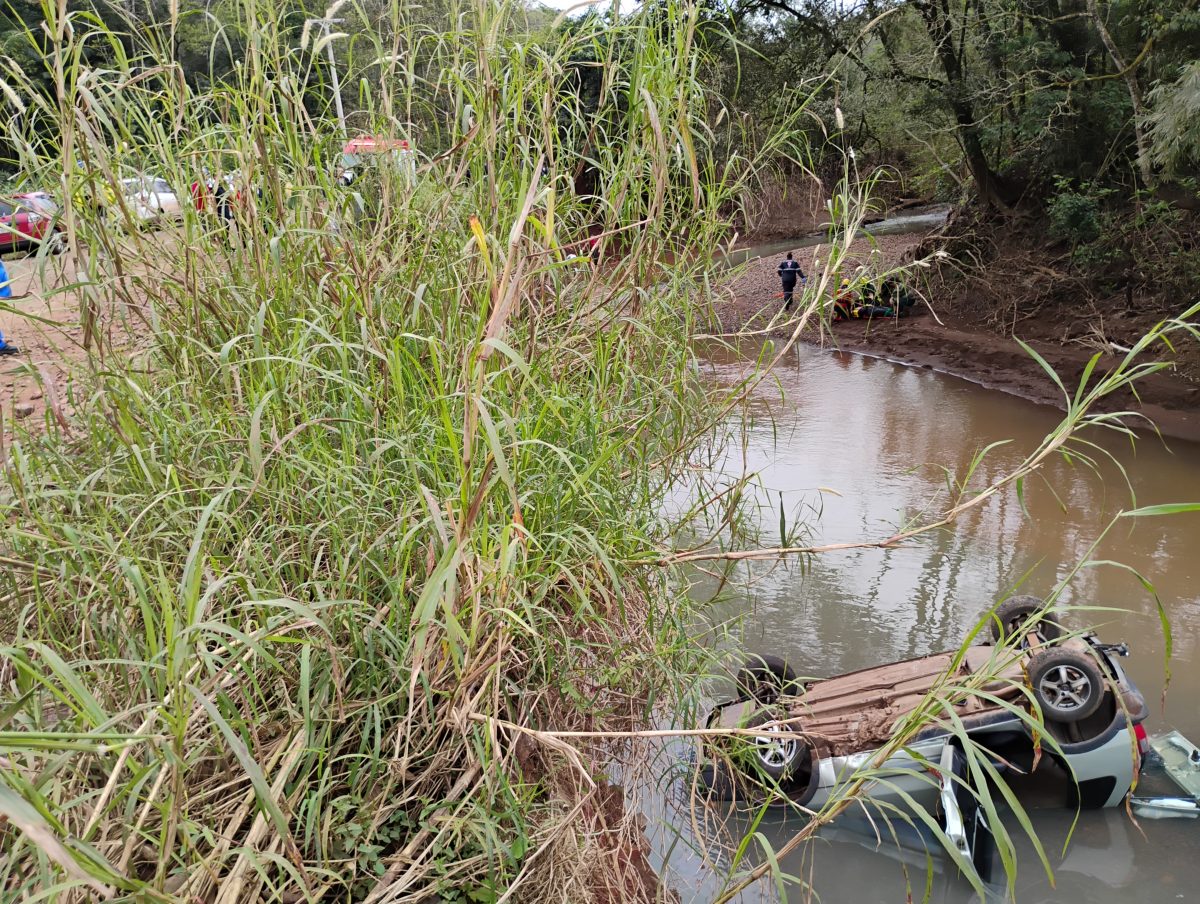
(962, 819)
(31, 219)
(17, 225)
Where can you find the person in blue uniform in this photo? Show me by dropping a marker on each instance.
(789, 273)
(6, 292)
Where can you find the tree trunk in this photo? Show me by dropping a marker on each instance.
(1135, 92)
(993, 191)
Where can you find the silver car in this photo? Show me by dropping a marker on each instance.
(811, 736)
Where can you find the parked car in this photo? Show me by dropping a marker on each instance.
(816, 734)
(28, 219)
(152, 200)
(367, 150)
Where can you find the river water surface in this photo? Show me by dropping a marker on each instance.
(866, 443)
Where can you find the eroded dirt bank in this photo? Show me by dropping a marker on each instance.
(957, 337)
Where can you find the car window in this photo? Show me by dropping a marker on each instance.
(5, 209)
(161, 186)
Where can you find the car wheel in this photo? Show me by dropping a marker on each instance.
(1068, 686)
(1011, 615)
(763, 678)
(781, 753)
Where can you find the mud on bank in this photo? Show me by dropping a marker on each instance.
(957, 335)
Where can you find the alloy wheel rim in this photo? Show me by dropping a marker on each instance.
(776, 752)
(1065, 687)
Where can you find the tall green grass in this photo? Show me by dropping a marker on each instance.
(374, 465)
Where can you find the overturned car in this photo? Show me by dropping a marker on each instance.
(799, 740)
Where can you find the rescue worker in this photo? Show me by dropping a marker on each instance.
(896, 296)
(849, 304)
(789, 272)
(6, 292)
(844, 302)
(871, 304)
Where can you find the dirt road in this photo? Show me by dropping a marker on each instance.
(44, 324)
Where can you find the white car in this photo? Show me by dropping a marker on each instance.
(816, 733)
(152, 200)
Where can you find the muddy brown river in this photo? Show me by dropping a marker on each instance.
(858, 446)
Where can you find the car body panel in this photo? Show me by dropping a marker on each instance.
(848, 718)
(953, 820)
(152, 199)
(365, 149)
(25, 219)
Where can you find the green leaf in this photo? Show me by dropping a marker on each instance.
(782, 523)
(80, 698)
(254, 445)
(1167, 508)
(1021, 497)
(262, 790)
(1085, 376)
(25, 817)
(1029, 350)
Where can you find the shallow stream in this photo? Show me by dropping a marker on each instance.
(865, 443)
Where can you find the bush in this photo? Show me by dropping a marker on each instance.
(1075, 215)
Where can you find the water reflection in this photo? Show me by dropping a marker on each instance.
(869, 444)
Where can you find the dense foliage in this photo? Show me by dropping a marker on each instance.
(1072, 125)
(1020, 93)
(379, 483)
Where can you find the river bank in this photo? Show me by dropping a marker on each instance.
(951, 338)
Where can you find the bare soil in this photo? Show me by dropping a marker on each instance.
(44, 320)
(47, 331)
(959, 334)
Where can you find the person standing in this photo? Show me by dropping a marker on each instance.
(789, 272)
(6, 292)
(222, 195)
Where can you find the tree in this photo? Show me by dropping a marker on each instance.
(1031, 91)
(1173, 124)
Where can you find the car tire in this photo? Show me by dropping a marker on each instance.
(784, 756)
(763, 677)
(1068, 686)
(1010, 617)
